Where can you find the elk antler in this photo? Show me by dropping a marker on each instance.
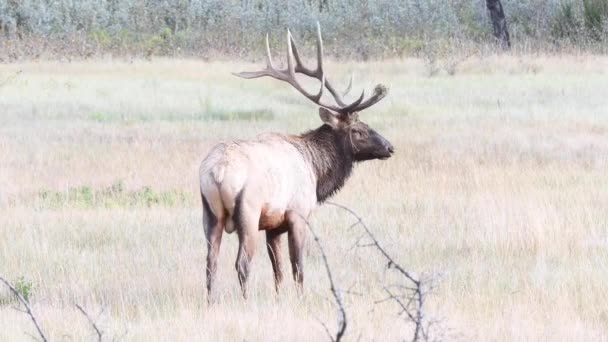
(288, 75)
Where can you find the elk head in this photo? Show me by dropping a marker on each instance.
(358, 138)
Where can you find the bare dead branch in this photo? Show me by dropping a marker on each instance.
(409, 297)
(351, 292)
(98, 331)
(27, 308)
(342, 322)
(329, 334)
(35, 338)
(357, 242)
(404, 306)
(376, 243)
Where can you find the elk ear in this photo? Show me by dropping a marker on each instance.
(329, 118)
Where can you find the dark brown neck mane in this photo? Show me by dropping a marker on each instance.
(330, 156)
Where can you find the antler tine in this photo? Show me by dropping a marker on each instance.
(322, 87)
(380, 91)
(268, 57)
(291, 78)
(353, 106)
(299, 65)
(269, 71)
(331, 89)
(290, 59)
(349, 87)
(300, 68)
(319, 50)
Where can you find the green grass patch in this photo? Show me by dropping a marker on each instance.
(243, 115)
(99, 116)
(113, 196)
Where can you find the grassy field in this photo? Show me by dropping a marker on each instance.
(499, 183)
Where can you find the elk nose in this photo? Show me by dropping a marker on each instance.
(390, 148)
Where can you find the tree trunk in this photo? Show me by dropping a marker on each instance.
(499, 23)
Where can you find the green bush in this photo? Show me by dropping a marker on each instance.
(351, 28)
(24, 287)
(564, 24)
(595, 14)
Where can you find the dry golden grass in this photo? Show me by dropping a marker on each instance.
(499, 183)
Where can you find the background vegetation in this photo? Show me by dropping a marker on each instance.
(498, 183)
(352, 29)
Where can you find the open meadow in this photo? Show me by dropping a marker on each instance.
(499, 184)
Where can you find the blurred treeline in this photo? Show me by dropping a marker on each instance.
(234, 28)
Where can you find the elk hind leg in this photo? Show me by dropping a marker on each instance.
(214, 227)
(246, 220)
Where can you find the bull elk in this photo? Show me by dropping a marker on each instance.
(273, 182)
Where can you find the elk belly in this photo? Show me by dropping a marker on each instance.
(271, 218)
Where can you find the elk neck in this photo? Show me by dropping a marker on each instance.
(331, 158)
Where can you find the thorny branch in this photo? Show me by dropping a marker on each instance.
(28, 310)
(95, 327)
(410, 298)
(98, 331)
(342, 323)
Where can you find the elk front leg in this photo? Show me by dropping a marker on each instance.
(297, 239)
(273, 244)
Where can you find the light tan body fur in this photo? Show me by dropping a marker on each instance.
(269, 169)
